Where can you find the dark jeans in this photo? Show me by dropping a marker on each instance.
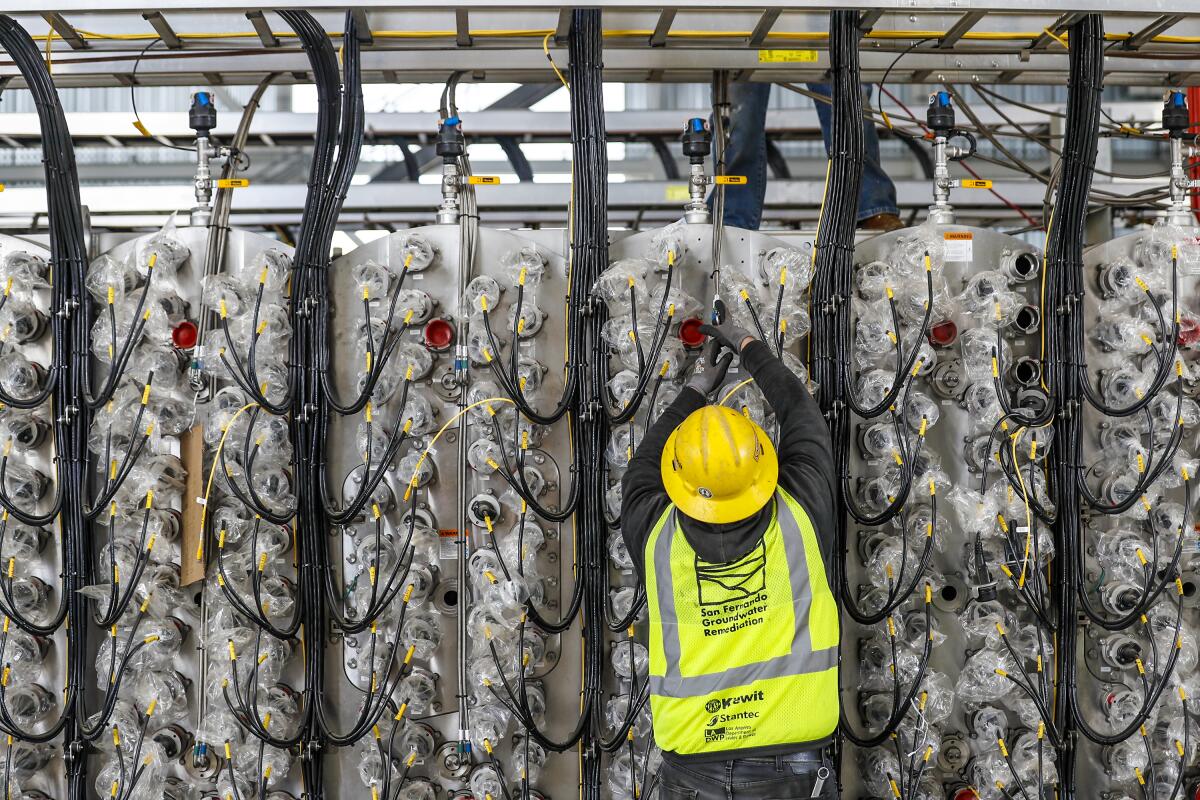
(790, 777)
(747, 155)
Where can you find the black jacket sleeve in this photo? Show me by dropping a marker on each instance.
(643, 496)
(805, 450)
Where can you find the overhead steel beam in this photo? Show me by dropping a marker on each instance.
(462, 28)
(666, 18)
(1155, 28)
(763, 27)
(1061, 24)
(866, 22)
(65, 30)
(163, 29)
(964, 24)
(263, 29)
(486, 62)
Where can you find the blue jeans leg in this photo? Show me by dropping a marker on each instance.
(877, 193)
(746, 155)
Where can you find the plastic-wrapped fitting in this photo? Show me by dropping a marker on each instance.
(976, 512)
(920, 411)
(794, 265)
(667, 246)
(371, 277)
(1120, 333)
(733, 284)
(106, 274)
(526, 262)
(530, 322)
(873, 332)
(613, 284)
(976, 347)
(629, 659)
(683, 303)
(482, 295)
(982, 291)
(878, 440)
(979, 682)
(480, 349)
(1123, 385)
(411, 248)
(168, 253)
(623, 444)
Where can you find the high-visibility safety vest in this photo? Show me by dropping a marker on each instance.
(742, 655)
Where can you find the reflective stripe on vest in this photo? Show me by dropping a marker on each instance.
(704, 650)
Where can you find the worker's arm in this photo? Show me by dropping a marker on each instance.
(805, 451)
(643, 497)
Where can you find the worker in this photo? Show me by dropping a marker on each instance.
(734, 541)
(747, 155)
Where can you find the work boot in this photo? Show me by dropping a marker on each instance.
(881, 223)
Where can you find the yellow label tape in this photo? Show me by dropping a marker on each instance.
(787, 56)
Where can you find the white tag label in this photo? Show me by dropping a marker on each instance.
(957, 246)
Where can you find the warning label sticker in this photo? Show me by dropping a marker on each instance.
(958, 245)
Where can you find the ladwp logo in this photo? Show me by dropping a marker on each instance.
(714, 705)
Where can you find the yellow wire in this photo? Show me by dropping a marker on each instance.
(550, 58)
(212, 472)
(50, 52)
(438, 435)
(1025, 495)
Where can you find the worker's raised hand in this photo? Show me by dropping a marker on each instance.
(710, 370)
(727, 332)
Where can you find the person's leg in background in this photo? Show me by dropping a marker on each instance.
(746, 154)
(877, 209)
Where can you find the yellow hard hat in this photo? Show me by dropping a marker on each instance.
(718, 466)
